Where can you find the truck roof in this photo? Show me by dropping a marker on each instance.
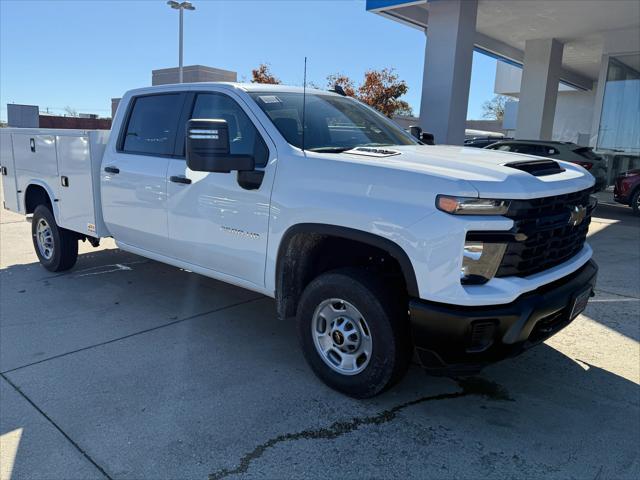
(247, 87)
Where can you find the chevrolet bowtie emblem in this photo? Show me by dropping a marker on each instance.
(578, 212)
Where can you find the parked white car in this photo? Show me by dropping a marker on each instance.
(376, 243)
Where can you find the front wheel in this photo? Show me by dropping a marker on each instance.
(354, 332)
(57, 248)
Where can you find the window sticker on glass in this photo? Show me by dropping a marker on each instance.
(269, 99)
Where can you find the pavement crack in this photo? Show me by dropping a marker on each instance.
(57, 427)
(470, 386)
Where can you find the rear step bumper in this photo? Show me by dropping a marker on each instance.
(452, 339)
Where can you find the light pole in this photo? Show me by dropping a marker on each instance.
(182, 6)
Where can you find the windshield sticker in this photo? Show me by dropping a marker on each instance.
(270, 99)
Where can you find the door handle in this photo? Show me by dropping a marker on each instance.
(112, 169)
(3, 170)
(176, 179)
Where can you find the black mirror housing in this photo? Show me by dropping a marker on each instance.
(427, 138)
(208, 148)
(415, 131)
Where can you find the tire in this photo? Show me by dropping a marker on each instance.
(332, 303)
(635, 202)
(57, 248)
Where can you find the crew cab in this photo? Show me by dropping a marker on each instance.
(378, 245)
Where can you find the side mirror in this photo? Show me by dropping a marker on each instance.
(428, 138)
(208, 148)
(415, 131)
(425, 137)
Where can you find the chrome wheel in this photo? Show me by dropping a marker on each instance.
(44, 239)
(341, 336)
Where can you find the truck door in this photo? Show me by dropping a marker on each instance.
(134, 174)
(220, 221)
(8, 172)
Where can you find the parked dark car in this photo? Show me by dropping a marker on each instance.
(627, 189)
(567, 151)
(481, 142)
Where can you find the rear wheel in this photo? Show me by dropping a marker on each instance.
(353, 332)
(635, 202)
(57, 248)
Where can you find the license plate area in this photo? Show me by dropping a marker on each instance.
(580, 303)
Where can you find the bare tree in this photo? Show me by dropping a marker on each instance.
(70, 111)
(494, 108)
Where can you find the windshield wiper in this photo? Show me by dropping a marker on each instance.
(330, 149)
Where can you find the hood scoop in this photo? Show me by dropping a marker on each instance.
(537, 168)
(373, 151)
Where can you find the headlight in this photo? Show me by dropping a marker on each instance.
(481, 261)
(471, 206)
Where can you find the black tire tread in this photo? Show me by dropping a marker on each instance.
(65, 242)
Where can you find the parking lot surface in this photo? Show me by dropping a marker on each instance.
(126, 368)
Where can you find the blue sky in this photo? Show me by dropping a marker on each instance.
(81, 53)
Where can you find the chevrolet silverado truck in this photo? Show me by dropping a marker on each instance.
(379, 246)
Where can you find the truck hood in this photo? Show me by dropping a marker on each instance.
(485, 170)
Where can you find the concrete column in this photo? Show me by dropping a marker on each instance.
(447, 69)
(539, 89)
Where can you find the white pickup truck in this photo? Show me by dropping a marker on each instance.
(379, 245)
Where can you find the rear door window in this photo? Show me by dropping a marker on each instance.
(152, 124)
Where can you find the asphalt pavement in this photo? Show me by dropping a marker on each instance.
(126, 368)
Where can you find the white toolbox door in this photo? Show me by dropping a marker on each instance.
(8, 170)
(76, 205)
(35, 161)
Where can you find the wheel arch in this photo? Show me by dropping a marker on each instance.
(39, 193)
(297, 251)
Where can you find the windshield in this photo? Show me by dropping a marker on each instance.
(333, 123)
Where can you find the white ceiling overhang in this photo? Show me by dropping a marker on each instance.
(503, 27)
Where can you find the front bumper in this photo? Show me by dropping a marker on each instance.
(460, 339)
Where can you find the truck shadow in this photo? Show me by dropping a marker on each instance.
(615, 239)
